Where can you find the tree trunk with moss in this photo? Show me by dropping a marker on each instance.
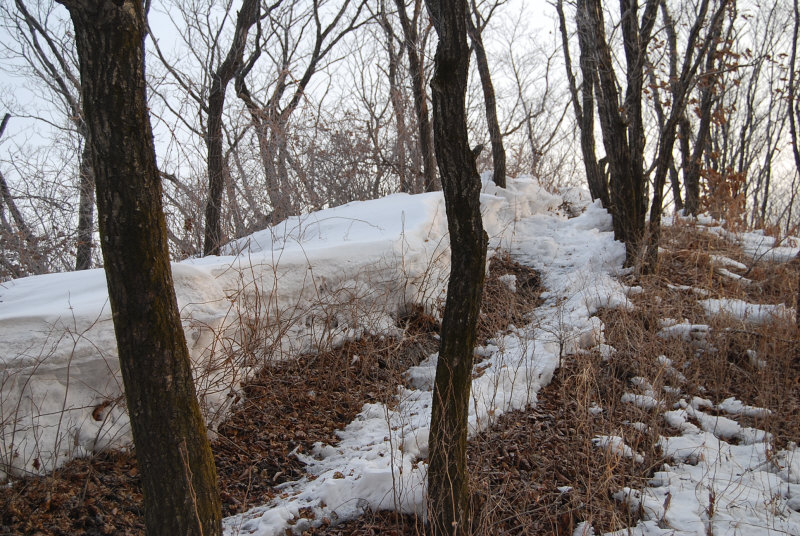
(447, 471)
(172, 449)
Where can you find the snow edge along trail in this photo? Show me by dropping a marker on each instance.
(376, 464)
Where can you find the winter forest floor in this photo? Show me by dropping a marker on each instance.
(672, 369)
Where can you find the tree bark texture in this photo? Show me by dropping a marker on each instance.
(172, 449)
(447, 475)
(420, 97)
(248, 15)
(490, 102)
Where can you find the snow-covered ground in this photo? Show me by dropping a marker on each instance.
(319, 278)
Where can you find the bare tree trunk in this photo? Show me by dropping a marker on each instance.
(30, 256)
(794, 103)
(672, 51)
(271, 118)
(34, 264)
(691, 175)
(679, 86)
(83, 255)
(635, 40)
(475, 32)
(621, 122)
(447, 472)
(248, 15)
(52, 63)
(267, 132)
(16, 215)
(178, 475)
(584, 105)
(794, 118)
(675, 186)
(411, 40)
(395, 95)
(773, 135)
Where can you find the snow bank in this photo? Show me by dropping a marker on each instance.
(762, 247)
(308, 282)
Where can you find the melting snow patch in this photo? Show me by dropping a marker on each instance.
(695, 334)
(697, 291)
(724, 272)
(755, 313)
(646, 402)
(752, 356)
(732, 406)
(721, 260)
(616, 446)
(764, 248)
(606, 351)
(734, 484)
(714, 486)
(594, 409)
(687, 332)
(671, 370)
(510, 281)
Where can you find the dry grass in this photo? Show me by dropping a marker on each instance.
(538, 472)
(728, 367)
(293, 404)
(502, 307)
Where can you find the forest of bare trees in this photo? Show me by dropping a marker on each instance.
(264, 110)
